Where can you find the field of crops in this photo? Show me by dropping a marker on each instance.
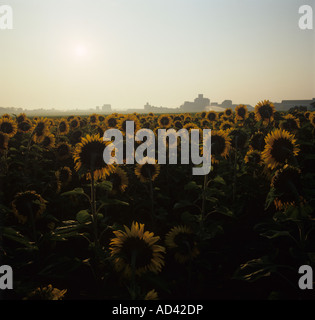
(74, 227)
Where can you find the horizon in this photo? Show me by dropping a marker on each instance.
(71, 55)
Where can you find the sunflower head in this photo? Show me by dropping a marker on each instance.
(287, 184)
(4, 140)
(40, 129)
(253, 157)
(212, 116)
(239, 138)
(264, 111)
(134, 251)
(182, 241)
(290, 123)
(63, 176)
(25, 126)
(312, 119)
(63, 150)
(49, 141)
(21, 117)
(93, 119)
(220, 144)
(88, 157)
(119, 180)
(28, 205)
(228, 112)
(148, 171)
(280, 148)
(257, 141)
(241, 112)
(74, 123)
(111, 121)
(46, 293)
(165, 121)
(8, 126)
(63, 127)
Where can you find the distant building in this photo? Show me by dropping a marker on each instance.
(199, 104)
(286, 105)
(107, 108)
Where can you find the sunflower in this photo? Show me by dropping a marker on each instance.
(280, 148)
(88, 157)
(228, 112)
(63, 150)
(177, 124)
(40, 130)
(290, 123)
(189, 126)
(182, 241)
(287, 185)
(93, 119)
(264, 111)
(74, 123)
(8, 126)
(25, 126)
(165, 121)
(241, 112)
(6, 116)
(75, 136)
(49, 141)
(134, 251)
(253, 157)
(212, 116)
(312, 119)
(63, 176)
(111, 121)
(46, 293)
(21, 117)
(148, 171)
(257, 141)
(204, 123)
(220, 144)
(226, 125)
(151, 295)
(28, 205)
(119, 180)
(63, 127)
(129, 117)
(239, 138)
(4, 140)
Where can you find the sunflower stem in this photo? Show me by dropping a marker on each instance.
(93, 208)
(203, 206)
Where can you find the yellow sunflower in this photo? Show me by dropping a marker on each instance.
(129, 117)
(151, 295)
(212, 116)
(280, 148)
(63, 150)
(49, 141)
(264, 111)
(165, 121)
(287, 184)
(290, 123)
(21, 117)
(228, 113)
(257, 141)
(4, 141)
(182, 242)
(111, 121)
(253, 157)
(74, 123)
(93, 119)
(63, 176)
(88, 157)
(63, 127)
(220, 144)
(312, 119)
(40, 129)
(25, 126)
(134, 251)
(46, 293)
(241, 112)
(147, 172)
(28, 205)
(8, 126)
(119, 180)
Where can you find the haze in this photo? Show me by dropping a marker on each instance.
(81, 54)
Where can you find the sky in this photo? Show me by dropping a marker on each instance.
(68, 54)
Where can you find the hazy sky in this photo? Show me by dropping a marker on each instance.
(83, 54)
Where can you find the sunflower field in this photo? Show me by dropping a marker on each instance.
(76, 228)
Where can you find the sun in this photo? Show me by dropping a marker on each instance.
(80, 51)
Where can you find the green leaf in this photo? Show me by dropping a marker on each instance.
(192, 185)
(219, 179)
(105, 185)
(16, 236)
(73, 192)
(83, 216)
